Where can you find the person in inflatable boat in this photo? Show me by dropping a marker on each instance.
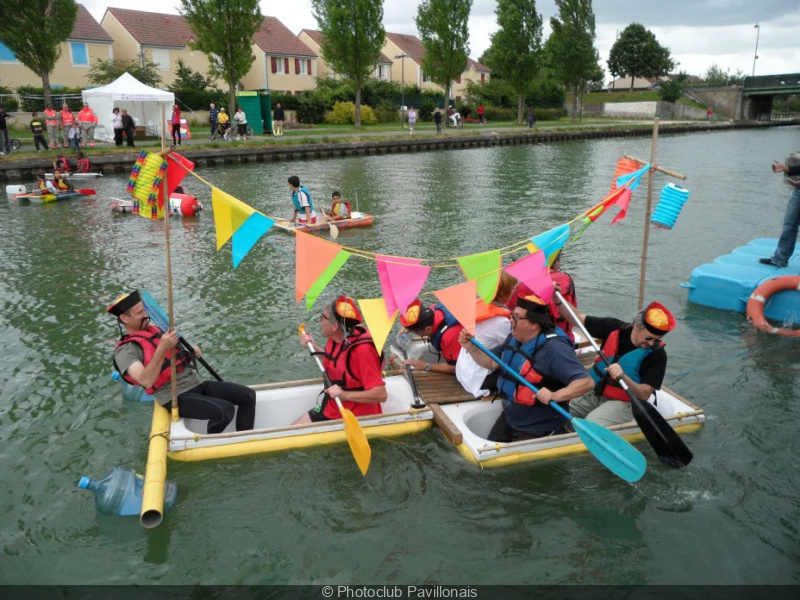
(543, 355)
(441, 328)
(351, 361)
(637, 355)
(142, 357)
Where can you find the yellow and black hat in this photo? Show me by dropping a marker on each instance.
(534, 304)
(657, 319)
(416, 316)
(124, 303)
(345, 310)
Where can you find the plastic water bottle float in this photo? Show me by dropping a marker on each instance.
(119, 492)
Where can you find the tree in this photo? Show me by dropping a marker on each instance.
(224, 30)
(352, 38)
(671, 91)
(715, 76)
(442, 26)
(106, 71)
(571, 47)
(637, 53)
(188, 79)
(34, 30)
(516, 47)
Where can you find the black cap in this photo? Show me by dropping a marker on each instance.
(124, 303)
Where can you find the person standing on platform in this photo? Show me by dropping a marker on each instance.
(88, 121)
(791, 220)
(213, 120)
(52, 118)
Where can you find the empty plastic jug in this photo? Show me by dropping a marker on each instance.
(119, 493)
(134, 393)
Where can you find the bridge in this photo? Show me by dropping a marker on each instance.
(758, 93)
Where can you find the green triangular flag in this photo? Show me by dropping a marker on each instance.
(326, 277)
(485, 267)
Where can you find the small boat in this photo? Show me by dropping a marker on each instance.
(38, 197)
(77, 175)
(278, 405)
(180, 204)
(358, 219)
(473, 420)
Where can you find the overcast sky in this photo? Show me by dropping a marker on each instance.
(699, 33)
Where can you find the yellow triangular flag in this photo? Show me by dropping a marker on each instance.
(379, 325)
(229, 214)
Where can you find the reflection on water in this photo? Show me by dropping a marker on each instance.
(422, 514)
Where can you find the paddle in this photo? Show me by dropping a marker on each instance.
(352, 429)
(161, 320)
(87, 192)
(668, 445)
(418, 403)
(616, 454)
(334, 230)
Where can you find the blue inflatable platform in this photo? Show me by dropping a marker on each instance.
(728, 282)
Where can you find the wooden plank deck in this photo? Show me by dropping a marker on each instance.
(436, 389)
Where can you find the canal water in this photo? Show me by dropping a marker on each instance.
(422, 515)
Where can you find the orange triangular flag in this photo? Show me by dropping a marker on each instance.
(312, 257)
(460, 300)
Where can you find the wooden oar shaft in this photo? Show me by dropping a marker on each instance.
(657, 168)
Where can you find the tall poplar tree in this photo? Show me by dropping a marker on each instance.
(516, 47)
(352, 38)
(34, 31)
(224, 31)
(571, 47)
(637, 53)
(442, 26)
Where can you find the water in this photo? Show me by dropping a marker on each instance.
(422, 514)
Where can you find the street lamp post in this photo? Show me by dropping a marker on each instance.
(402, 58)
(755, 54)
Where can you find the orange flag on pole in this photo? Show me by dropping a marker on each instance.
(312, 257)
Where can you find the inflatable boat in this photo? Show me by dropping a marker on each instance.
(358, 219)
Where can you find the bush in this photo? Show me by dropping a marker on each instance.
(491, 113)
(311, 109)
(294, 124)
(465, 110)
(9, 103)
(345, 112)
(287, 101)
(194, 99)
(33, 98)
(426, 109)
(550, 114)
(389, 116)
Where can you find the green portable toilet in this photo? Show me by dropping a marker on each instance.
(266, 109)
(249, 102)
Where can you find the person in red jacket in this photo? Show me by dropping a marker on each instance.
(67, 119)
(51, 120)
(351, 361)
(87, 120)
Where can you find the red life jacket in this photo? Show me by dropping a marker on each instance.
(337, 366)
(148, 340)
(67, 118)
(630, 362)
(82, 166)
(52, 117)
(568, 291)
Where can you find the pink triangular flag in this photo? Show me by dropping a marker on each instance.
(623, 201)
(401, 280)
(532, 271)
(460, 300)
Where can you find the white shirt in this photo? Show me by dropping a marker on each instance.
(302, 197)
(491, 333)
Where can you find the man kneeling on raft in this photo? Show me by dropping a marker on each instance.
(142, 357)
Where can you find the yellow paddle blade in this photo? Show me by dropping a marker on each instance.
(357, 440)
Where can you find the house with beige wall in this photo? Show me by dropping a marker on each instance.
(283, 62)
(161, 38)
(87, 43)
(313, 39)
(475, 72)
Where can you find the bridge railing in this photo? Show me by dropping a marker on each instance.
(772, 81)
(773, 117)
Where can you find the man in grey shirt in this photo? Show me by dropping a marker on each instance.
(142, 357)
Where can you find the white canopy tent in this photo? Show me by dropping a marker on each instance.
(143, 103)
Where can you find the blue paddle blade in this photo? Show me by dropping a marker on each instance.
(157, 314)
(615, 453)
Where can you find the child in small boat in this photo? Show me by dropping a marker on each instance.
(339, 209)
(83, 164)
(60, 183)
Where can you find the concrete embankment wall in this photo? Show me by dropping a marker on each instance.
(123, 163)
(642, 110)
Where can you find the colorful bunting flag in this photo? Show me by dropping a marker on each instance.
(327, 275)
(145, 185)
(374, 312)
(533, 272)
(460, 300)
(312, 257)
(485, 267)
(177, 167)
(235, 219)
(401, 281)
(622, 201)
(636, 178)
(244, 238)
(550, 241)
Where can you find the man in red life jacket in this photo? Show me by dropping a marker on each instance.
(567, 285)
(351, 362)
(441, 328)
(636, 353)
(87, 120)
(67, 119)
(545, 357)
(51, 120)
(142, 357)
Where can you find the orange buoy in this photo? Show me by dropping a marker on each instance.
(759, 297)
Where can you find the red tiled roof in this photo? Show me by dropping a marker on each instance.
(317, 37)
(154, 29)
(275, 38)
(409, 44)
(478, 66)
(86, 28)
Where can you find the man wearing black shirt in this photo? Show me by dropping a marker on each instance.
(5, 140)
(637, 356)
